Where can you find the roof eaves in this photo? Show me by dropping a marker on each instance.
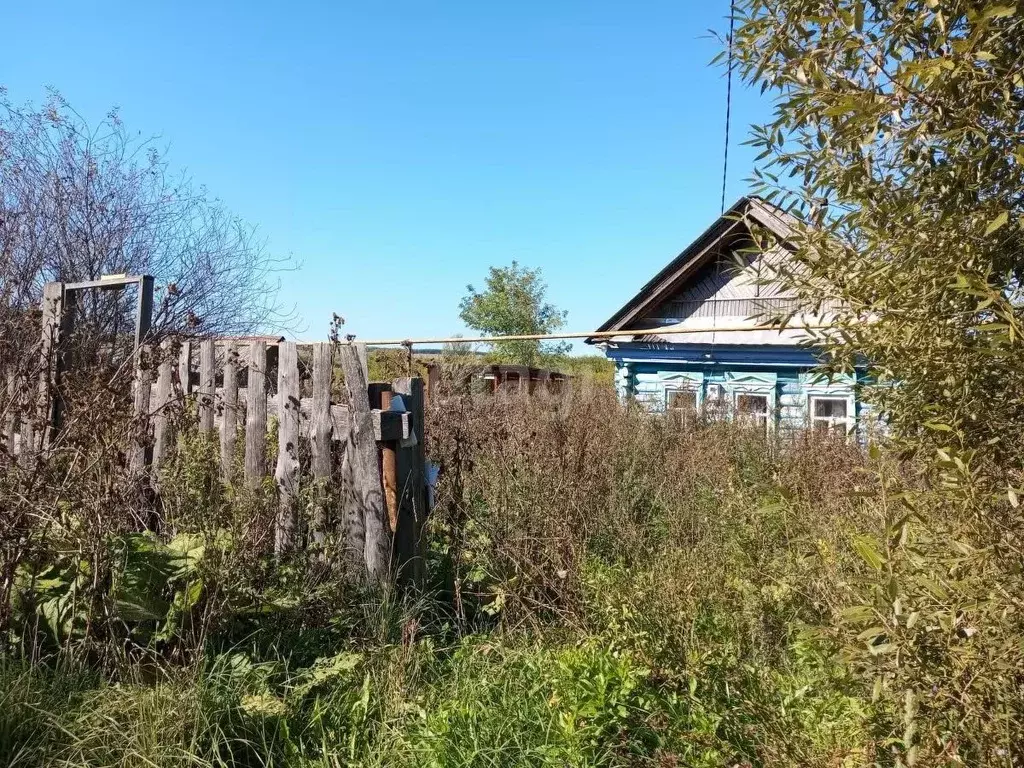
(671, 274)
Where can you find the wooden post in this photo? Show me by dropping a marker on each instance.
(49, 363)
(164, 399)
(389, 469)
(433, 379)
(364, 361)
(365, 523)
(256, 415)
(207, 364)
(321, 427)
(287, 473)
(229, 418)
(410, 545)
(139, 451)
(144, 310)
(185, 370)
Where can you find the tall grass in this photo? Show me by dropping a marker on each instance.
(607, 588)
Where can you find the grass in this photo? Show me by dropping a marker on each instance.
(482, 702)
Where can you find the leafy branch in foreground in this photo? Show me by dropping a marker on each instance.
(898, 138)
(897, 144)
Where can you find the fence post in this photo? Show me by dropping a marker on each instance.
(256, 415)
(321, 427)
(143, 378)
(162, 416)
(185, 370)
(229, 418)
(49, 363)
(207, 363)
(287, 473)
(409, 541)
(366, 535)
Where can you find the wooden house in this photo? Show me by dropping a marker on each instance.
(717, 285)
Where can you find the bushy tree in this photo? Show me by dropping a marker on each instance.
(898, 145)
(80, 200)
(514, 302)
(898, 136)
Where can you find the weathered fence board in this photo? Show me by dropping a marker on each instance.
(365, 524)
(185, 369)
(229, 412)
(163, 400)
(207, 365)
(140, 444)
(256, 415)
(287, 472)
(49, 362)
(320, 433)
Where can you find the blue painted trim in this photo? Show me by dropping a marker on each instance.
(715, 355)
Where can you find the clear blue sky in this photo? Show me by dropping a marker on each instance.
(398, 149)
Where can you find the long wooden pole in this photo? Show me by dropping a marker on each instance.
(670, 331)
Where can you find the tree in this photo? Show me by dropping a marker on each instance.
(78, 201)
(514, 303)
(898, 145)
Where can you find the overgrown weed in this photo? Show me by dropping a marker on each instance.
(607, 588)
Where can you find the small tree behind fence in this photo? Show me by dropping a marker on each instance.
(350, 449)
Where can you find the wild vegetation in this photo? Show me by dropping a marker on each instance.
(609, 587)
(896, 145)
(606, 588)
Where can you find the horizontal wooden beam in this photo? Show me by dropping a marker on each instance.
(387, 425)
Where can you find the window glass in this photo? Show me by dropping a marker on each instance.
(830, 407)
(752, 404)
(753, 409)
(829, 414)
(682, 399)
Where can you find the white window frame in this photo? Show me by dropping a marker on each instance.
(769, 406)
(848, 421)
(693, 387)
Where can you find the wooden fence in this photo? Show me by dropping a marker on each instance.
(355, 447)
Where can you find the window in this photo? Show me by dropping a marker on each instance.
(682, 399)
(830, 414)
(752, 409)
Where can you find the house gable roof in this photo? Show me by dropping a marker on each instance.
(733, 226)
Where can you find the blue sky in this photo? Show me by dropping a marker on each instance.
(398, 149)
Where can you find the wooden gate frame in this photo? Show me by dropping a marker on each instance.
(59, 301)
